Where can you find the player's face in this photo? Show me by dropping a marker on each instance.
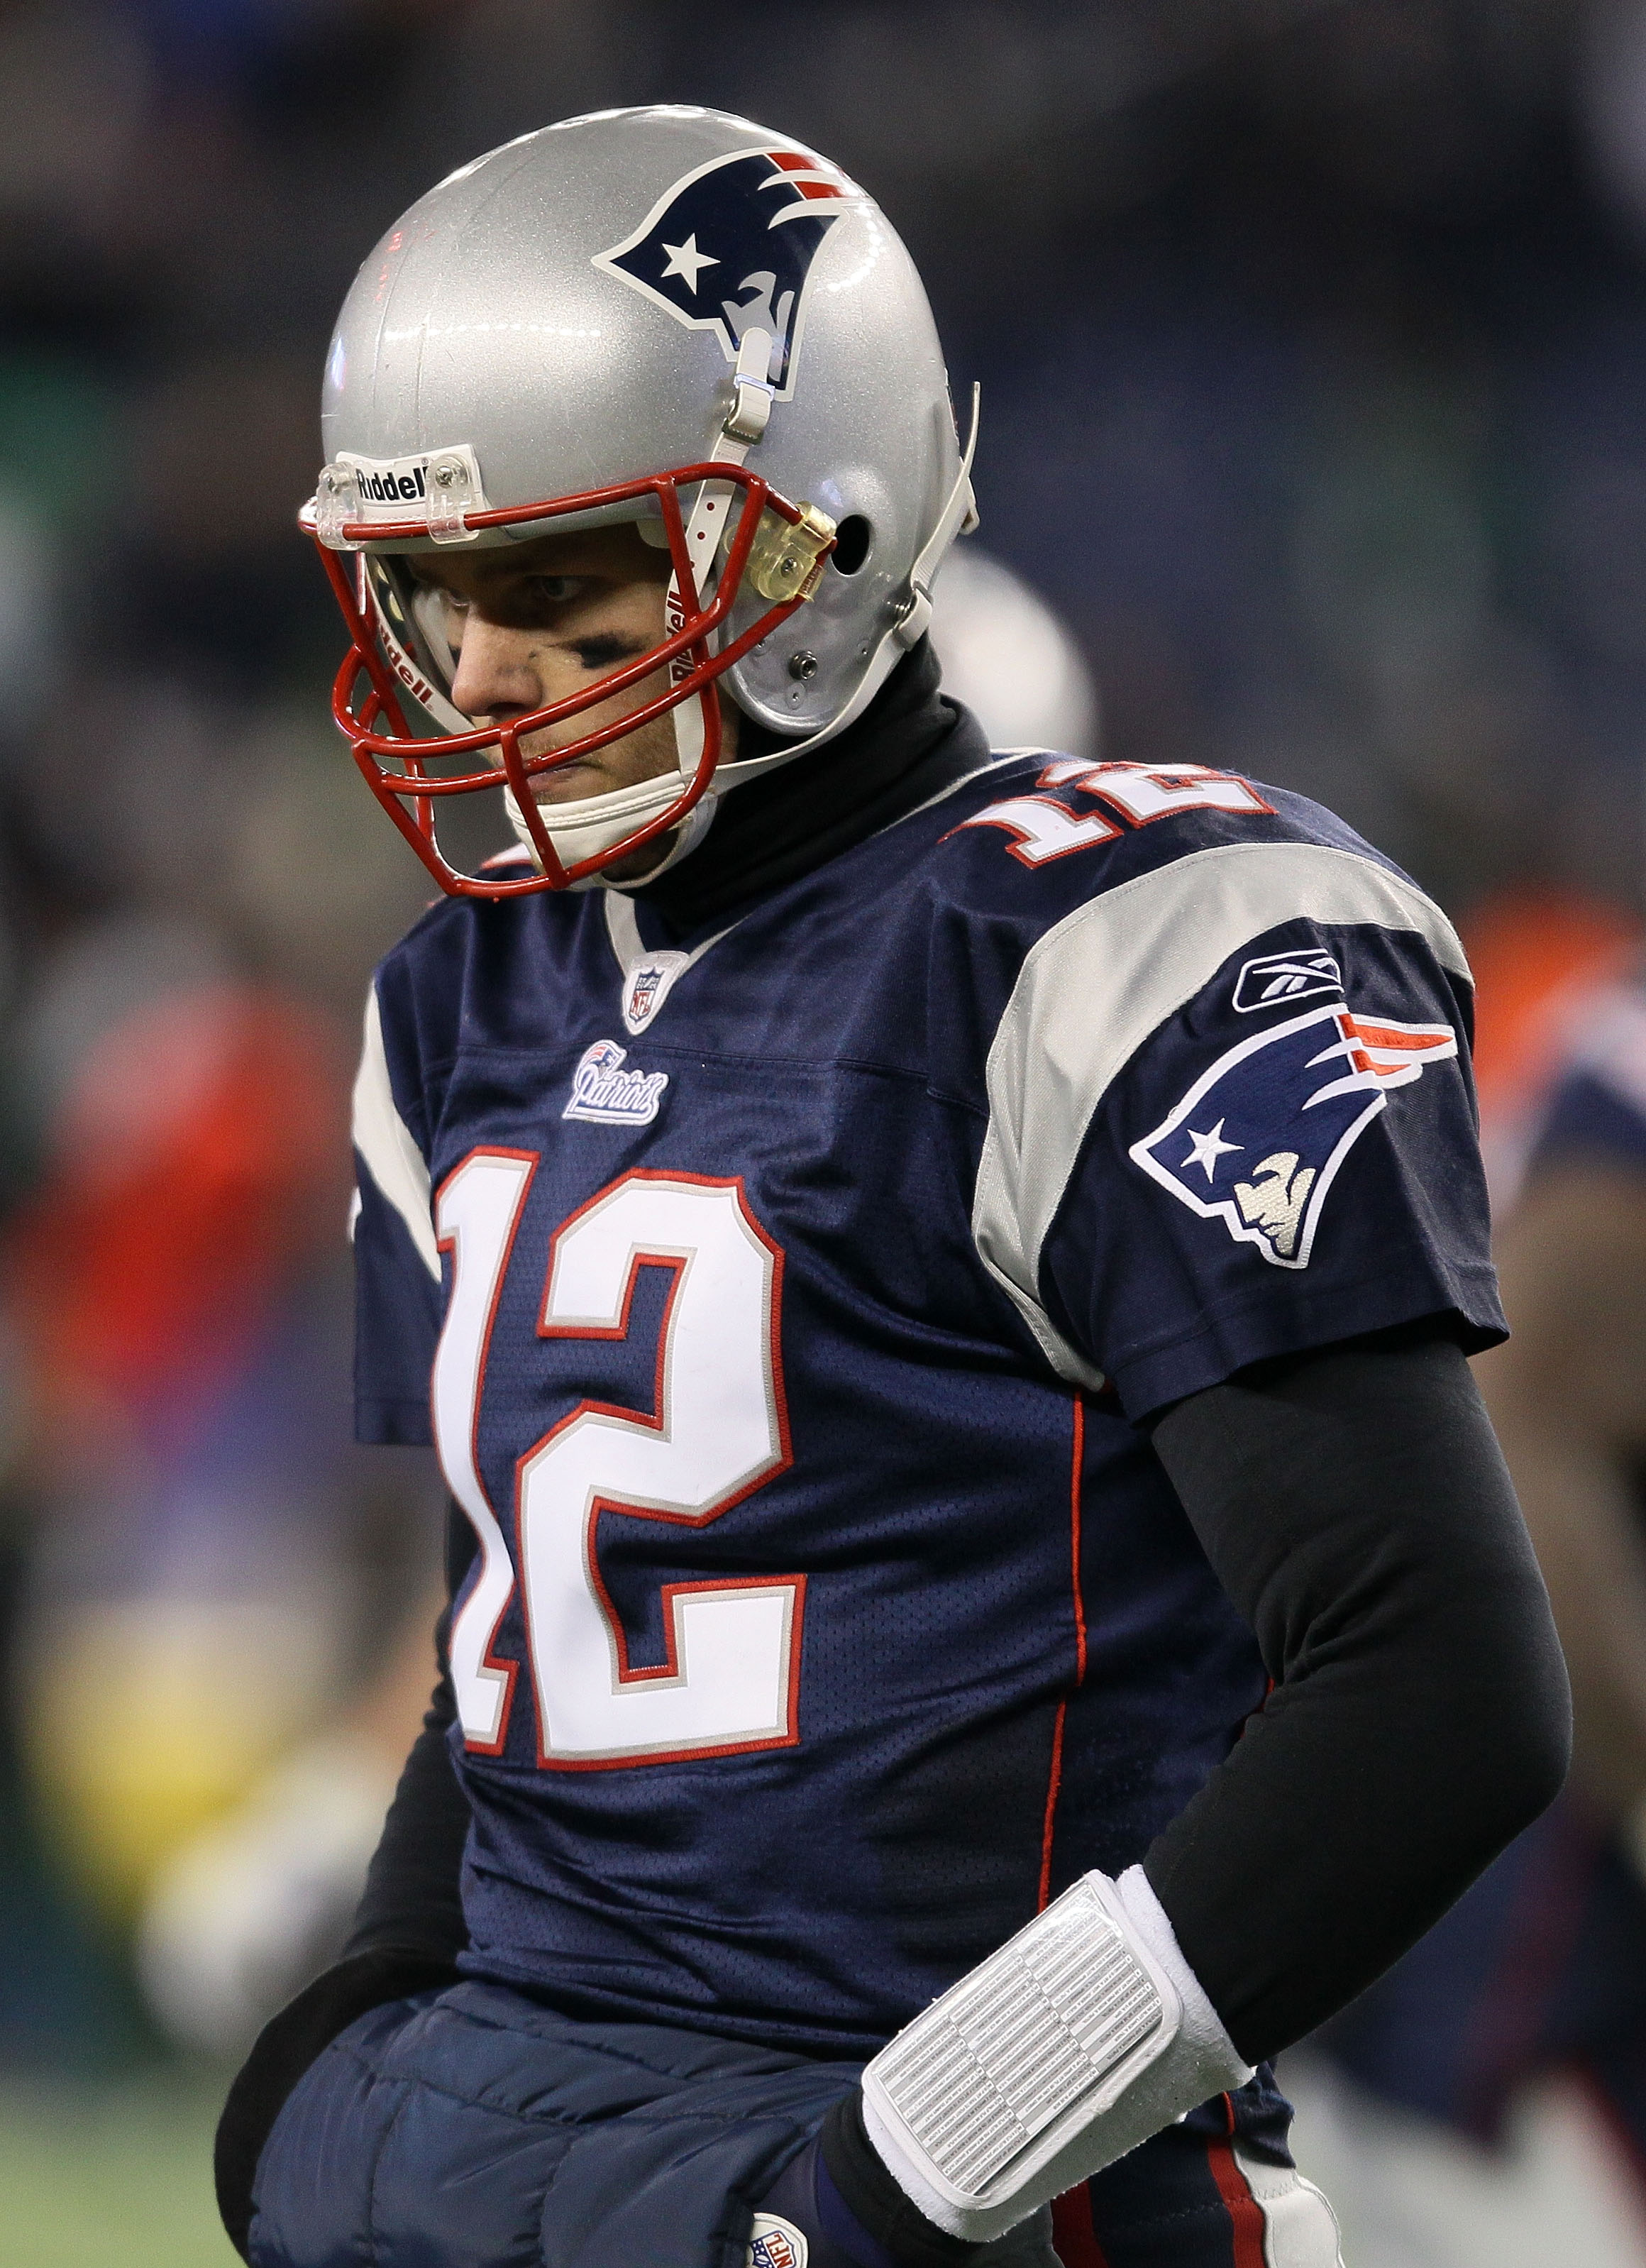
(537, 621)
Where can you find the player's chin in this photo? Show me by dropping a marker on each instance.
(576, 782)
(572, 784)
(626, 762)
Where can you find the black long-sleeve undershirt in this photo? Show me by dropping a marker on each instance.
(1354, 1505)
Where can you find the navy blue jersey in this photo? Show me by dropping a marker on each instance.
(790, 1305)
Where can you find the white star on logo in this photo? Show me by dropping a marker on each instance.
(1206, 1149)
(686, 260)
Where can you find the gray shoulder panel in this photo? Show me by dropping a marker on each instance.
(1094, 987)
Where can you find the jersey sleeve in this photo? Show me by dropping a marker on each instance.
(1231, 1117)
(397, 1261)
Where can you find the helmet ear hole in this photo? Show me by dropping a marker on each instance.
(852, 539)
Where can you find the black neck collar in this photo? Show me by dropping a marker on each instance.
(909, 744)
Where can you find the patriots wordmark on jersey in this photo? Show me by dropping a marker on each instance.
(829, 1610)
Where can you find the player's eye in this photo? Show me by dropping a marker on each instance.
(532, 602)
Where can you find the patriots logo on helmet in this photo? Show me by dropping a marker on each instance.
(1258, 1140)
(729, 247)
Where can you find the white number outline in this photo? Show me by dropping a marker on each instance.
(668, 1670)
(1045, 828)
(1042, 826)
(459, 1375)
(472, 1659)
(1179, 787)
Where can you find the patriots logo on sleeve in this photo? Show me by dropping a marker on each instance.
(1258, 1140)
(731, 246)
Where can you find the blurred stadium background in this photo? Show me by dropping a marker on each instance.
(1312, 341)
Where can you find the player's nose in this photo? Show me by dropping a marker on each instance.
(498, 672)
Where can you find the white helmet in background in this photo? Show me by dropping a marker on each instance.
(669, 316)
(1011, 659)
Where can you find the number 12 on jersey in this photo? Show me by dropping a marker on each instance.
(718, 1430)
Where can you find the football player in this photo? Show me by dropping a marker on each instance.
(984, 1603)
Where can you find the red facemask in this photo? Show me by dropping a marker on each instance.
(779, 546)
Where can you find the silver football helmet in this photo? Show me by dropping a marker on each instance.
(669, 316)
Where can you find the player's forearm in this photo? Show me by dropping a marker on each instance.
(1355, 1507)
(414, 1886)
(413, 1893)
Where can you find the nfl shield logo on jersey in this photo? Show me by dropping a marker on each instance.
(1257, 1141)
(775, 2244)
(646, 987)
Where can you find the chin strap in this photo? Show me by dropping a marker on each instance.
(594, 823)
(745, 423)
(958, 517)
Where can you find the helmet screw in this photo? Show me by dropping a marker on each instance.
(444, 475)
(803, 664)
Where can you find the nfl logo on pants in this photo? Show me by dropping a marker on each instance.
(775, 2244)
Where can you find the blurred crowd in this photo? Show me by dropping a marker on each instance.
(1311, 336)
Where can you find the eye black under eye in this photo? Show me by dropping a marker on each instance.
(604, 652)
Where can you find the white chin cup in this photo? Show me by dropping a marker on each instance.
(1085, 2033)
(592, 824)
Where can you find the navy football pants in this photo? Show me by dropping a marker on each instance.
(474, 2129)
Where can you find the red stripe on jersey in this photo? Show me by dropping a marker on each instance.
(1054, 1782)
(1074, 1494)
(1245, 2215)
(1073, 2232)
